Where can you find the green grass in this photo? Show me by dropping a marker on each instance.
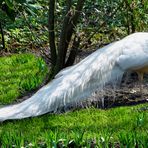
(124, 126)
(116, 127)
(20, 73)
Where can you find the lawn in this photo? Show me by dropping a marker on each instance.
(117, 127)
(124, 126)
(19, 74)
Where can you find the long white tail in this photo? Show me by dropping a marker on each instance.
(73, 84)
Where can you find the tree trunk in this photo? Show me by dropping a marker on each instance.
(69, 24)
(2, 33)
(133, 26)
(52, 32)
(62, 43)
(73, 52)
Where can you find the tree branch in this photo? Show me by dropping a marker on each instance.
(73, 52)
(51, 32)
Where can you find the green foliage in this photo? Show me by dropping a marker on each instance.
(12, 7)
(11, 11)
(28, 31)
(20, 73)
(107, 20)
(117, 127)
(113, 19)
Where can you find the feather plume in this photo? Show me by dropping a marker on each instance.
(76, 83)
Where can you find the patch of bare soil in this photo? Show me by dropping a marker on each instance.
(4, 53)
(127, 93)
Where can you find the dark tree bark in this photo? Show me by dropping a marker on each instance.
(52, 32)
(63, 36)
(69, 25)
(73, 23)
(3, 39)
(133, 27)
(73, 52)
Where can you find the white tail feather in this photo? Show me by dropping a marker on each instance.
(73, 84)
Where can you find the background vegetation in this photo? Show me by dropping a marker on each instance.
(69, 26)
(58, 31)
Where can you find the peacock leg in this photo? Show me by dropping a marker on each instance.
(140, 77)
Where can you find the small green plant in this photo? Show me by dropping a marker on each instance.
(127, 139)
